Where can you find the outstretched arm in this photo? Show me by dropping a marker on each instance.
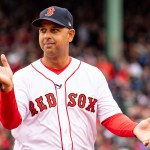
(122, 125)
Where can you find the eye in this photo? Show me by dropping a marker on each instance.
(42, 30)
(54, 30)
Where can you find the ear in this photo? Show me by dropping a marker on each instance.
(71, 35)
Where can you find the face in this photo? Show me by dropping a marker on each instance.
(54, 39)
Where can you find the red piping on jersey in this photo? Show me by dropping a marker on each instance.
(57, 100)
(66, 102)
(59, 120)
(57, 71)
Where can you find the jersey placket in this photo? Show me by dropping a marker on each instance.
(63, 117)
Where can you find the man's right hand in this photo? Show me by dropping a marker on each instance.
(6, 75)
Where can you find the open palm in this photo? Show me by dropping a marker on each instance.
(142, 131)
(6, 74)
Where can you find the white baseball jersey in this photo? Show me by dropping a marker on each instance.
(59, 111)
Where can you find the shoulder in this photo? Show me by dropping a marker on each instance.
(26, 71)
(90, 70)
(83, 64)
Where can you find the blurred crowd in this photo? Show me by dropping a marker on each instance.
(128, 78)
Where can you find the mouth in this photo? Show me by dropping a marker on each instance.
(48, 45)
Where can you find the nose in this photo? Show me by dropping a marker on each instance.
(47, 35)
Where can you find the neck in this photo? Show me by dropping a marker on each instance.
(56, 63)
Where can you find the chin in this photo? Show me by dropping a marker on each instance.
(50, 55)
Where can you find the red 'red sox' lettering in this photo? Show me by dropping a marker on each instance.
(32, 108)
(72, 101)
(91, 105)
(51, 99)
(81, 100)
(40, 103)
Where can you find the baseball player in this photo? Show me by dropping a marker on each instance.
(53, 103)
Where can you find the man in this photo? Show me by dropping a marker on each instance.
(53, 103)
